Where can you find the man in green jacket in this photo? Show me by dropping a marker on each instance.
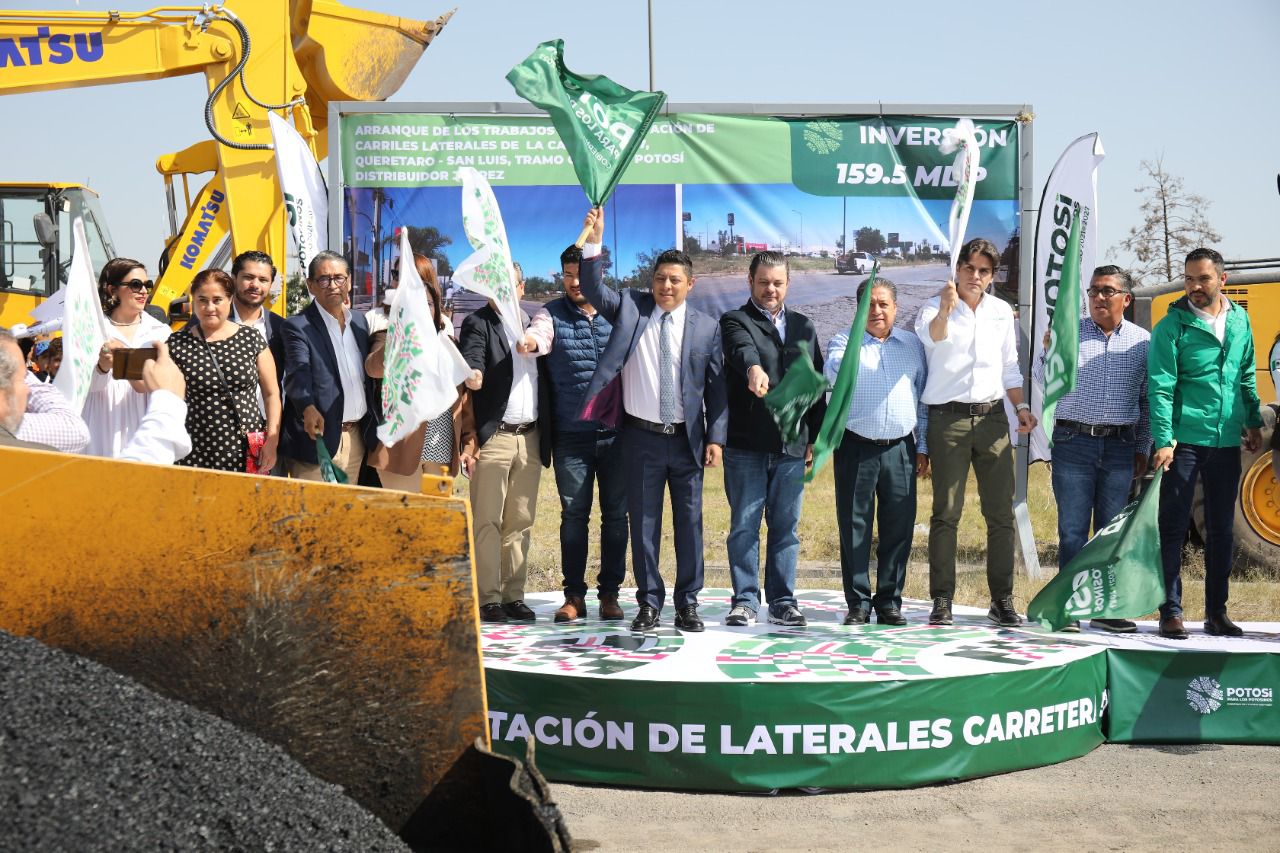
(1203, 397)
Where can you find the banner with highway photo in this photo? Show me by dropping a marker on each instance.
(834, 193)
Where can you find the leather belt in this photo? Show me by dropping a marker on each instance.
(878, 442)
(661, 429)
(1095, 430)
(973, 410)
(346, 425)
(516, 429)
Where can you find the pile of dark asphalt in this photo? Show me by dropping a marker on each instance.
(91, 760)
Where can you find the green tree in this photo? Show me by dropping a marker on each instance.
(1173, 223)
(430, 242)
(296, 295)
(869, 239)
(536, 284)
(692, 246)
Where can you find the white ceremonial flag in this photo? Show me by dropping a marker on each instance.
(488, 271)
(1073, 180)
(422, 367)
(965, 172)
(305, 196)
(83, 333)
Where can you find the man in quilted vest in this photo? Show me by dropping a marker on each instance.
(1203, 396)
(572, 335)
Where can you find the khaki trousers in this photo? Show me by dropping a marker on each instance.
(504, 503)
(348, 458)
(955, 442)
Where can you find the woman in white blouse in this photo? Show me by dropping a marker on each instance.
(114, 409)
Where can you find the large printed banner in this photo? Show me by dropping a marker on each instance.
(834, 193)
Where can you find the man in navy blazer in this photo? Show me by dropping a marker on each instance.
(325, 387)
(661, 378)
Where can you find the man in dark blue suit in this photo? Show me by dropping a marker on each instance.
(326, 389)
(661, 378)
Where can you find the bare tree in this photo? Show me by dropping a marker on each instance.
(1173, 223)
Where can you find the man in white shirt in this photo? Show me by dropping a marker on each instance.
(969, 340)
(504, 458)
(327, 394)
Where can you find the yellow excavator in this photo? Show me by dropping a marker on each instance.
(339, 622)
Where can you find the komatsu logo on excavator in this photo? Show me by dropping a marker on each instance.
(56, 49)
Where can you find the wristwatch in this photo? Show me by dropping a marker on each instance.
(1022, 407)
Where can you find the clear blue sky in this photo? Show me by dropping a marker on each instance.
(1192, 82)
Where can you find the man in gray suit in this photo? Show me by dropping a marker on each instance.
(660, 378)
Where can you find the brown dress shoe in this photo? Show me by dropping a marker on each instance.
(609, 607)
(573, 609)
(1171, 628)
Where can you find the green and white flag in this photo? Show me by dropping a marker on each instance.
(832, 431)
(83, 323)
(487, 271)
(600, 123)
(1062, 358)
(422, 368)
(791, 399)
(1116, 575)
(965, 171)
(329, 473)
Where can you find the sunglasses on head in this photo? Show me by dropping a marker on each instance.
(137, 285)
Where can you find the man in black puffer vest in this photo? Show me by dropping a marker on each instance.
(571, 334)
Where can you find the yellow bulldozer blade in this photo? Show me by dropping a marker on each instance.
(338, 622)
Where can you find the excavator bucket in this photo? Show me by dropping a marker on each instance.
(353, 55)
(339, 622)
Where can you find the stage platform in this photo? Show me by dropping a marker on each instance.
(764, 707)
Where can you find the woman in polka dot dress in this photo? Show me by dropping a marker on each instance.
(225, 365)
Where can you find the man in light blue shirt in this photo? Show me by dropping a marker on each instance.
(880, 456)
(1101, 432)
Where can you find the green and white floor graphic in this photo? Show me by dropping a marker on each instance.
(764, 707)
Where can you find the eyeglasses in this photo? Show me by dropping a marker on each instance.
(137, 285)
(331, 280)
(1104, 292)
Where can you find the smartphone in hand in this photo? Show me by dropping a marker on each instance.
(127, 363)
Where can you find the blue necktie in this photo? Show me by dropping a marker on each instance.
(666, 382)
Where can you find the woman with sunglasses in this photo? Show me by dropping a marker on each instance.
(114, 407)
(226, 365)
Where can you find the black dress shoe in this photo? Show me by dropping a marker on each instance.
(518, 611)
(890, 615)
(1002, 613)
(646, 619)
(492, 613)
(687, 619)
(941, 612)
(857, 616)
(1222, 626)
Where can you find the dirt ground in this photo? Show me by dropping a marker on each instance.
(1119, 797)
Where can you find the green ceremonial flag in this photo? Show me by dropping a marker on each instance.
(1116, 575)
(842, 392)
(600, 123)
(800, 388)
(329, 472)
(1063, 356)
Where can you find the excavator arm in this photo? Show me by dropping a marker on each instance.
(290, 55)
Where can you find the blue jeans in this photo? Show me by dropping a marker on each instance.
(582, 459)
(769, 485)
(1091, 480)
(1219, 472)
